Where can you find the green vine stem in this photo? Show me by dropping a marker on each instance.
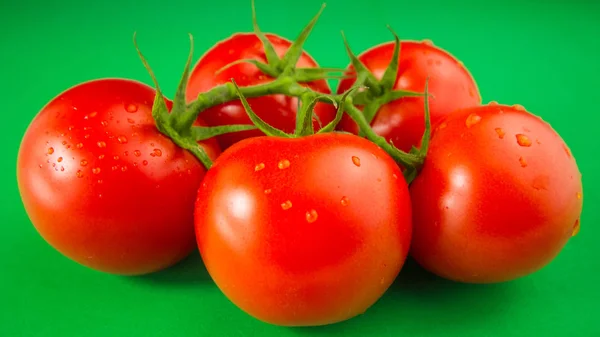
(178, 124)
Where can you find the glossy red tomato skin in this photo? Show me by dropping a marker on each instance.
(403, 121)
(499, 196)
(102, 186)
(313, 243)
(277, 110)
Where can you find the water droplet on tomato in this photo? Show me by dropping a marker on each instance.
(286, 205)
(268, 191)
(283, 164)
(50, 150)
(541, 182)
(100, 181)
(567, 150)
(394, 176)
(259, 167)
(59, 159)
(576, 228)
(122, 139)
(188, 171)
(356, 160)
(83, 162)
(471, 92)
(86, 136)
(62, 168)
(70, 128)
(130, 121)
(578, 195)
(101, 156)
(53, 164)
(137, 153)
(131, 108)
(145, 162)
(79, 145)
(344, 201)
(114, 168)
(500, 132)
(311, 216)
(126, 153)
(472, 119)
(523, 140)
(93, 114)
(79, 174)
(101, 144)
(96, 170)
(156, 153)
(116, 157)
(427, 42)
(493, 103)
(123, 168)
(518, 107)
(64, 142)
(523, 162)
(104, 123)
(442, 125)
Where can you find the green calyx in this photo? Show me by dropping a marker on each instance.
(176, 123)
(277, 67)
(381, 91)
(287, 79)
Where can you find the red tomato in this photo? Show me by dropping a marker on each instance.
(498, 197)
(277, 110)
(304, 231)
(403, 121)
(103, 186)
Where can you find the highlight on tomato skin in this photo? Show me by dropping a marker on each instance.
(401, 122)
(214, 68)
(303, 231)
(102, 186)
(498, 198)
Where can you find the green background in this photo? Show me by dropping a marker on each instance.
(543, 55)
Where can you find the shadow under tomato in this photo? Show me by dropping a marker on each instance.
(419, 302)
(189, 271)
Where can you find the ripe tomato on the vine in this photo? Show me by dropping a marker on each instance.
(103, 186)
(277, 110)
(498, 197)
(304, 231)
(402, 121)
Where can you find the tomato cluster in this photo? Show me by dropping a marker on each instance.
(304, 204)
